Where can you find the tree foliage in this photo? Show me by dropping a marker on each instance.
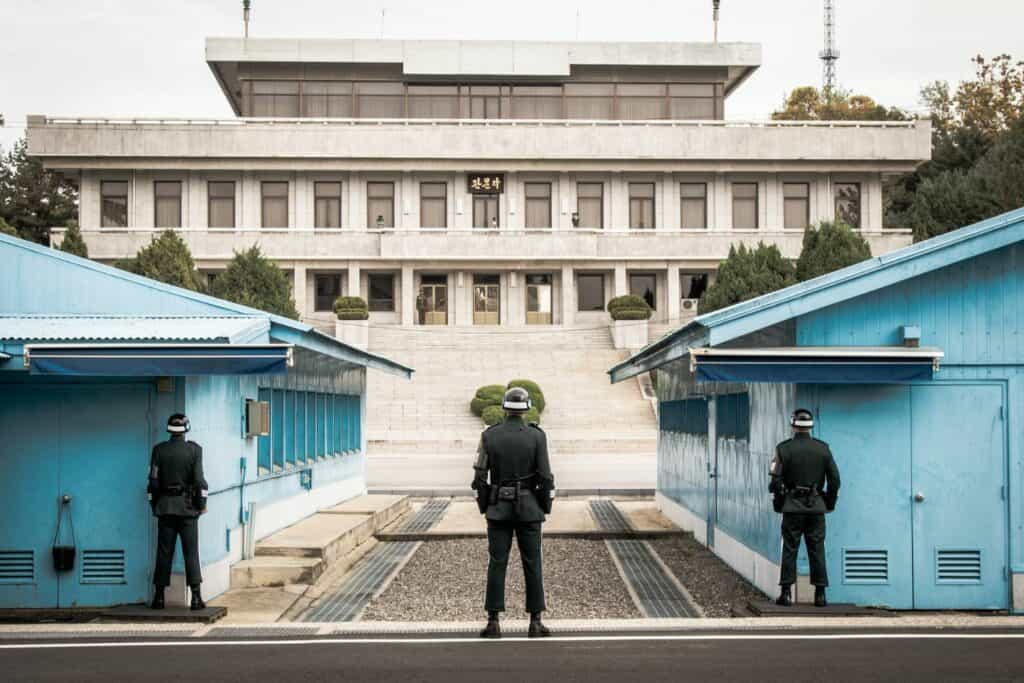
(747, 273)
(6, 228)
(829, 247)
(253, 280)
(32, 199)
(807, 103)
(167, 259)
(73, 242)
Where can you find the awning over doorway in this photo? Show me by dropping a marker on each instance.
(157, 360)
(816, 365)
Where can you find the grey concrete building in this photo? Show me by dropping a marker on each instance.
(478, 183)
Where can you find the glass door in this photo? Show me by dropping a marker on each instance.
(486, 300)
(538, 299)
(432, 302)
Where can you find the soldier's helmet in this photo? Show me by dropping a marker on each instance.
(178, 424)
(802, 418)
(517, 400)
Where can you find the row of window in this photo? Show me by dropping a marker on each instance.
(380, 205)
(306, 426)
(392, 99)
(690, 416)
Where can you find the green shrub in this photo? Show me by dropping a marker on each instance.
(73, 242)
(629, 307)
(486, 396)
(254, 280)
(351, 308)
(536, 395)
(492, 415)
(532, 416)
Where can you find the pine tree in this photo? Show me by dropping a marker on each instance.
(252, 280)
(6, 229)
(166, 259)
(73, 242)
(747, 273)
(32, 199)
(829, 247)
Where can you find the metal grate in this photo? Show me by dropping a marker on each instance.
(864, 565)
(609, 517)
(656, 592)
(363, 584)
(261, 631)
(103, 566)
(959, 565)
(17, 566)
(427, 516)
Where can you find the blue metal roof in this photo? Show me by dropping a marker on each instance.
(111, 328)
(873, 274)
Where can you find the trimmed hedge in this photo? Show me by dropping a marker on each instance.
(351, 308)
(536, 395)
(629, 307)
(486, 396)
(492, 415)
(486, 404)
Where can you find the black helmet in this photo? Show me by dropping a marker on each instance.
(517, 400)
(178, 424)
(802, 419)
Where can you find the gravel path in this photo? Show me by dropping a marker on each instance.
(711, 582)
(445, 580)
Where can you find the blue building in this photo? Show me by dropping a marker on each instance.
(92, 362)
(913, 364)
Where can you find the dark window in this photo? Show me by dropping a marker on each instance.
(688, 416)
(692, 285)
(538, 205)
(328, 288)
(382, 292)
(381, 100)
(327, 205)
(848, 203)
(113, 204)
(327, 99)
(434, 101)
(590, 287)
(380, 205)
(693, 206)
(796, 209)
(433, 205)
(691, 101)
(641, 206)
(641, 101)
(485, 211)
(220, 204)
(589, 101)
(167, 204)
(590, 205)
(275, 98)
(732, 416)
(487, 101)
(644, 285)
(537, 102)
(744, 206)
(274, 204)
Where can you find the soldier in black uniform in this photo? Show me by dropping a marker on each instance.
(177, 495)
(515, 499)
(800, 469)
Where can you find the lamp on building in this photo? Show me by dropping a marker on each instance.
(380, 221)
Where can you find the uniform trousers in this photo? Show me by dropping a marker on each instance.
(499, 543)
(169, 528)
(811, 527)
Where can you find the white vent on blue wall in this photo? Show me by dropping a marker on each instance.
(103, 566)
(958, 565)
(865, 565)
(17, 566)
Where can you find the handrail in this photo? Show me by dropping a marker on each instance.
(500, 123)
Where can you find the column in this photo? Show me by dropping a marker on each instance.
(408, 297)
(299, 288)
(568, 295)
(565, 205)
(621, 284)
(673, 294)
(353, 279)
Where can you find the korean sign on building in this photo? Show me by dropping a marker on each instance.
(486, 183)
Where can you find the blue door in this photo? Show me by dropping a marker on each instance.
(92, 443)
(959, 511)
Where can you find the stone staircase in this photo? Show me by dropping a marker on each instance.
(430, 414)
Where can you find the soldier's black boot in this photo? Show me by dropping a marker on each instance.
(785, 598)
(493, 628)
(537, 627)
(158, 598)
(197, 599)
(819, 596)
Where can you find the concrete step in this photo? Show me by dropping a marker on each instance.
(275, 571)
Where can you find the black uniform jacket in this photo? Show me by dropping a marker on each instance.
(177, 465)
(509, 452)
(805, 461)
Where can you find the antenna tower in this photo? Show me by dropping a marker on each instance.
(830, 54)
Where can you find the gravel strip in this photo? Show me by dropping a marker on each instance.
(445, 581)
(711, 582)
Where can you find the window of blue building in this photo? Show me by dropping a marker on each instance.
(732, 416)
(688, 416)
(306, 426)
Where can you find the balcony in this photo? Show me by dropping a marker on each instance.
(70, 142)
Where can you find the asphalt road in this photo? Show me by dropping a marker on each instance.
(789, 658)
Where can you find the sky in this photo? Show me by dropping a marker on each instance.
(145, 57)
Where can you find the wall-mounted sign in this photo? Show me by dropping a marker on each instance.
(486, 183)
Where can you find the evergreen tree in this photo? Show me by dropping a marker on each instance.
(6, 229)
(252, 280)
(73, 242)
(166, 259)
(746, 274)
(32, 199)
(829, 247)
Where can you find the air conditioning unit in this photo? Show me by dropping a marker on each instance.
(690, 305)
(257, 418)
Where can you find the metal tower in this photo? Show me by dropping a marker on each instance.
(830, 54)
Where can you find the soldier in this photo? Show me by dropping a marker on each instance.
(800, 469)
(177, 495)
(515, 500)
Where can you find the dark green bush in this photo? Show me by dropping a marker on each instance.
(629, 307)
(351, 308)
(486, 396)
(492, 415)
(536, 395)
(532, 416)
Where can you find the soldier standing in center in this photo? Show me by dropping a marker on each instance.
(514, 485)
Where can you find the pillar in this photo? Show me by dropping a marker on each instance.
(299, 288)
(353, 285)
(621, 282)
(408, 297)
(673, 294)
(568, 298)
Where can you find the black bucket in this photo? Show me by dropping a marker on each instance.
(63, 558)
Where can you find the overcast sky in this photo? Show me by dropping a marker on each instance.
(145, 57)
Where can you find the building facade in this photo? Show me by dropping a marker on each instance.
(478, 183)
